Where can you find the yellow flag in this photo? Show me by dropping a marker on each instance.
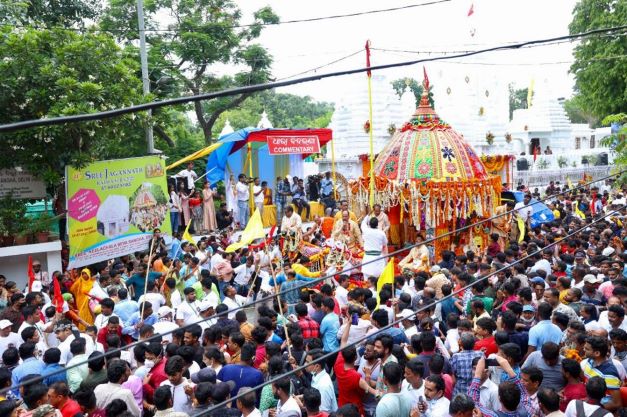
(521, 229)
(387, 277)
(570, 183)
(187, 236)
(254, 230)
(530, 94)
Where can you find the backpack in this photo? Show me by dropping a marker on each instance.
(599, 412)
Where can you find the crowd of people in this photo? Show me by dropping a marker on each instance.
(530, 326)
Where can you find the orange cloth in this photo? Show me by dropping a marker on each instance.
(80, 289)
(159, 267)
(327, 226)
(267, 197)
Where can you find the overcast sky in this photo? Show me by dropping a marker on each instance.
(443, 27)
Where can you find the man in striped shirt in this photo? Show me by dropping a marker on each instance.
(513, 396)
(597, 364)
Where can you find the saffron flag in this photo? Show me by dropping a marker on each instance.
(31, 274)
(368, 57)
(58, 297)
(387, 277)
(254, 230)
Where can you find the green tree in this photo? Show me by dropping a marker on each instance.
(202, 35)
(600, 66)
(576, 113)
(284, 111)
(48, 13)
(517, 99)
(416, 88)
(618, 142)
(59, 72)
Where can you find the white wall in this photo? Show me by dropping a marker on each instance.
(14, 260)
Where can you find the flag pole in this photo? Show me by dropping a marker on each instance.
(251, 200)
(141, 316)
(372, 189)
(278, 297)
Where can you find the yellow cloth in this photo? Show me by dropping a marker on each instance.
(198, 154)
(387, 277)
(187, 236)
(254, 230)
(557, 214)
(268, 217)
(578, 212)
(302, 270)
(521, 228)
(316, 209)
(80, 289)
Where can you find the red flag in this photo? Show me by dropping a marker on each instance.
(58, 297)
(31, 273)
(368, 57)
(426, 79)
(535, 153)
(471, 10)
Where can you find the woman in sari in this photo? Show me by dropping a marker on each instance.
(208, 208)
(80, 289)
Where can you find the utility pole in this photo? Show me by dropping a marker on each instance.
(145, 79)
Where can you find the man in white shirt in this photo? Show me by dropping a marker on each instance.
(287, 405)
(242, 275)
(230, 301)
(523, 211)
(246, 402)
(258, 196)
(189, 175)
(413, 384)
(243, 196)
(153, 296)
(341, 292)
(488, 391)
(187, 311)
(164, 323)
(321, 381)
(106, 312)
(117, 374)
(436, 404)
(291, 222)
(7, 337)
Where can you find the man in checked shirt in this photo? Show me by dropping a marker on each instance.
(513, 396)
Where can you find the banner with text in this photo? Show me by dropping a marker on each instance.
(20, 184)
(283, 145)
(114, 206)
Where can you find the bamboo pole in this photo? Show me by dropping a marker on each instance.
(278, 296)
(152, 240)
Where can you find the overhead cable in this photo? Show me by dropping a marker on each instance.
(321, 279)
(266, 86)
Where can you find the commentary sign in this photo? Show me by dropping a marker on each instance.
(285, 145)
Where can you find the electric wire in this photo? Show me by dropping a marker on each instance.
(259, 87)
(312, 282)
(395, 322)
(247, 25)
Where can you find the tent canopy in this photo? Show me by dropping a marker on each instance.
(258, 139)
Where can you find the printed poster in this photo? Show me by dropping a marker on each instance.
(114, 206)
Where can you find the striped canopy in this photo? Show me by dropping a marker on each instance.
(428, 149)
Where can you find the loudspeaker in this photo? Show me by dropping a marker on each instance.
(522, 165)
(602, 159)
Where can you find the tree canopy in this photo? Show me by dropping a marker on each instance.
(600, 65)
(284, 111)
(416, 88)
